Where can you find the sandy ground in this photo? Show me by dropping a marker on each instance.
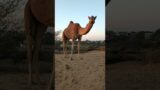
(18, 81)
(77, 74)
(85, 74)
(88, 74)
(133, 76)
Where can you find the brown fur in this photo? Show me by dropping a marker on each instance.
(75, 31)
(43, 11)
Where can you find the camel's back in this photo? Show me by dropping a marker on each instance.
(72, 30)
(43, 10)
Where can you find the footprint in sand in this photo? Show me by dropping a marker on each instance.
(74, 81)
(68, 67)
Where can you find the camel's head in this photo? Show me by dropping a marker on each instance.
(92, 19)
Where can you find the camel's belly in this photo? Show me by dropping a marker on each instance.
(43, 10)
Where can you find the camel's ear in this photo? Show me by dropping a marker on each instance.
(89, 17)
(95, 17)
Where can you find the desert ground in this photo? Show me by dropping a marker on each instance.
(81, 74)
(133, 75)
(84, 74)
(77, 74)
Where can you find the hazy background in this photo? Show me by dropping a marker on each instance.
(133, 15)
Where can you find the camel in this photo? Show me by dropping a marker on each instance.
(38, 15)
(75, 31)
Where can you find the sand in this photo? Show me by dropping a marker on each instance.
(133, 75)
(77, 74)
(86, 74)
(18, 81)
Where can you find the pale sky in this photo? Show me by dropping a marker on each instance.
(133, 15)
(78, 11)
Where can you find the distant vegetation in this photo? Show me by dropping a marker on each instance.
(138, 46)
(13, 46)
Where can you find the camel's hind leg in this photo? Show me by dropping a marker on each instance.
(64, 44)
(34, 32)
(29, 57)
(72, 49)
(78, 48)
(64, 48)
(29, 26)
(40, 30)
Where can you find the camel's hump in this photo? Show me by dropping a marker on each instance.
(71, 22)
(43, 10)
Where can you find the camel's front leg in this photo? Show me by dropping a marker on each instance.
(28, 27)
(78, 48)
(29, 57)
(35, 61)
(72, 49)
(64, 48)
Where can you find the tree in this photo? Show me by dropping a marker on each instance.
(58, 40)
(7, 7)
(57, 33)
(156, 35)
(10, 40)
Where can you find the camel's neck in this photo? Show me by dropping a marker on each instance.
(83, 31)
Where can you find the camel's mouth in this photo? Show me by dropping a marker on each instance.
(92, 22)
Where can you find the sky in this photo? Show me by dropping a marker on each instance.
(78, 11)
(133, 15)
